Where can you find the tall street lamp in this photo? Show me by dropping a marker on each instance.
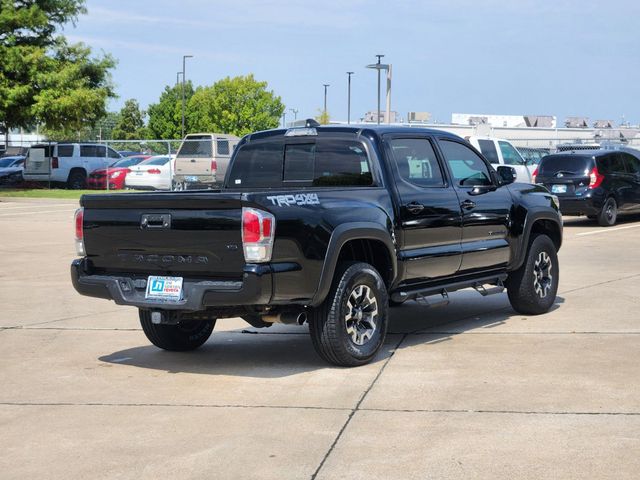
(178, 78)
(349, 98)
(383, 66)
(184, 75)
(325, 85)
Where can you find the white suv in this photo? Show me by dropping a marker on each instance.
(68, 163)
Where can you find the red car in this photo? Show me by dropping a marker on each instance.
(117, 173)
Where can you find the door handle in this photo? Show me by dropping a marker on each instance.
(468, 205)
(415, 207)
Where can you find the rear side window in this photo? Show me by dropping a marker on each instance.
(612, 163)
(341, 163)
(510, 154)
(488, 149)
(257, 165)
(567, 164)
(197, 146)
(416, 161)
(633, 164)
(65, 150)
(222, 146)
(92, 151)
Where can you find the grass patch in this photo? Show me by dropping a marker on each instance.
(53, 193)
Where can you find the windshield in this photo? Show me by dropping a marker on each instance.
(196, 146)
(6, 162)
(575, 164)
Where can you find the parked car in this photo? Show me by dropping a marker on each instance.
(11, 170)
(154, 173)
(12, 151)
(532, 156)
(324, 225)
(67, 163)
(502, 152)
(597, 183)
(116, 172)
(202, 160)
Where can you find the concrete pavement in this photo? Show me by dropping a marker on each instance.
(471, 390)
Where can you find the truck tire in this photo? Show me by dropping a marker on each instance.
(77, 180)
(350, 326)
(532, 288)
(609, 213)
(176, 338)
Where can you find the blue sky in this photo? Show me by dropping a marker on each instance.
(476, 56)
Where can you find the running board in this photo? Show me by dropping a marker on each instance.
(420, 294)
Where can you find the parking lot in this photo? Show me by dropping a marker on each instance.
(470, 390)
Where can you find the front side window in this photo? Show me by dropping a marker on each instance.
(510, 154)
(488, 149)
(113, 153)
(467, 167)
(416, 161)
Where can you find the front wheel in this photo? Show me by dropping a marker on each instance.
(350, 326)
(182, 337)
(609, 213)
(532, 288)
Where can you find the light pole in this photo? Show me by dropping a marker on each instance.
(349, 98)
(184, 59)
(178, 78)
(383, 66)
(325, 85)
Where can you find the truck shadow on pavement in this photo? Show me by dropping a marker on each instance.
(282, 351)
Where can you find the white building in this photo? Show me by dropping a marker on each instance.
(509, 121)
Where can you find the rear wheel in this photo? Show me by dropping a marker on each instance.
(350, 326)
(77, 180)
(609, 213)
(532, 288)
(182, 337)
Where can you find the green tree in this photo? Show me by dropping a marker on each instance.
(238, 105)
(323, 117)
(43, 79)
(165, 117)
(131, 122)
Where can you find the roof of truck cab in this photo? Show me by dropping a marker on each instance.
(377, 130)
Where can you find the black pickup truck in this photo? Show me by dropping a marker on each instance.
(324, 225)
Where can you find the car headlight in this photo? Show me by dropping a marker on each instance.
(115, 174)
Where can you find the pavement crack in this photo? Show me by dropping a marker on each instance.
(356, 408)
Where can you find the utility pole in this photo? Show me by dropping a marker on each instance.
(325, 85)
(349, 98)
(184, 58)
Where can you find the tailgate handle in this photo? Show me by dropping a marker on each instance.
(156, 220)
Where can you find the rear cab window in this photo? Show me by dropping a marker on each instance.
(196, 146)
(302, 163)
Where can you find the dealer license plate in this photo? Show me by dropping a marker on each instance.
(191, 179)
(164, 288)
(558, 189)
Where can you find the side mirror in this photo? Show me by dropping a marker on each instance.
(506, 174)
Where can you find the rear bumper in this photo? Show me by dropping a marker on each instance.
(256, 288)
(579, 205)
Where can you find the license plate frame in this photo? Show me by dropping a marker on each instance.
(191, 178)
(167, 289)
(558, 189)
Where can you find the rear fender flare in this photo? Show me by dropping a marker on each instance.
(340, 236)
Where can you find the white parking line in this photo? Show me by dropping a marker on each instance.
(606, 230)
(16, 214)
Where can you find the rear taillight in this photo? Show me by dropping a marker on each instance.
(79, 237)
(595, 178)
(214, 166)
(154, 171)
(534, 175)
(258, 229)
(54, 162)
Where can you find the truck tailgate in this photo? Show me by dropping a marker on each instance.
(174, 233)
